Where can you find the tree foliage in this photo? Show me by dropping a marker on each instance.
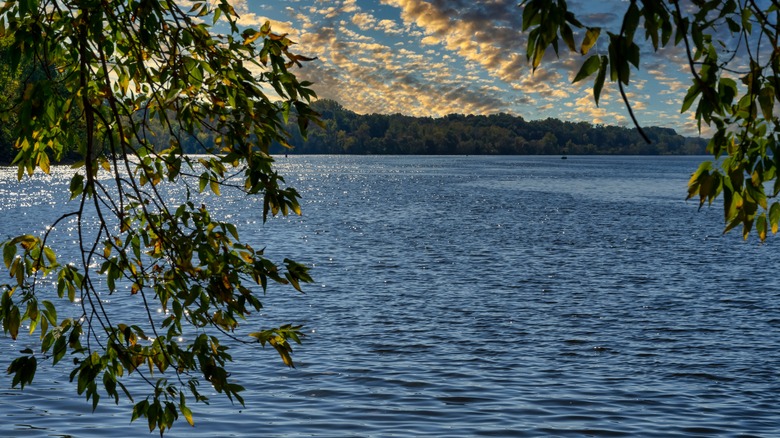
(345, 132)
(120, 66)
(342, 131)
(734, 66)
(9, 84)
(12, 83)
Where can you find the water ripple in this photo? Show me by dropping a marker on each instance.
(490, 296)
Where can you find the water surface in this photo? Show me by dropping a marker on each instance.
(477, 296)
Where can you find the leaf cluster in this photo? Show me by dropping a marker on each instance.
(120, 67)
(734, 66)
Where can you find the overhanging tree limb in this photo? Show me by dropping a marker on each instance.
(123, 66)
(746, 136)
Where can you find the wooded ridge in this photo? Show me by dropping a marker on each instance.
(346, 132)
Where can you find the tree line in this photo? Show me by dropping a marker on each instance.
(346, 132)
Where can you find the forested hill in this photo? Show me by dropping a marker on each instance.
(346, 132)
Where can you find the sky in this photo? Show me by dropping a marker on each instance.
(439, 57)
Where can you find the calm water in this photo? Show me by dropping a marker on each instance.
(476, 296)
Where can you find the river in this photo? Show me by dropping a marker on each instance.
(475, 296)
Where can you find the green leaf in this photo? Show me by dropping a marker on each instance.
(23, 368)
(9, 252)
(538, 55)
(76, 185)
(530, 15)
(293, 281)
(33, 324)
(232, 230)
(196, 71)
(630, 21)
(43, 162)
(694, 182)
(697, 35)
(727, 90)
(681, 31)
(50, 312)
(761, 226)
(50, 255)
(590, 66)
(766, 99)
(747, 14)
(729, 7)
(214, 185)
(568, 37)
(666, 32)
(139, 410)
(28, 241)
(12, 322)
(774, 217)
(734, 27)
(598, 84)
(690, 97)
(747, 226)
(59, 349)
(632, 54)
(203, 181)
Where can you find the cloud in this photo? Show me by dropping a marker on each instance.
(371, 76)
(389, 27)
(280, 27)
(436, 57)
(363, 20)
(430, 40)
(482, 33)
(349, 6)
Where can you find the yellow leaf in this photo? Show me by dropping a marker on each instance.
(250, 39)
(591, 36)
(538, 57)
(187, 415)
(124, 81)
(43, 162)
(761, 227)
(28, 242)
(214, 187)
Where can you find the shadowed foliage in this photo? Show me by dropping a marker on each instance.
(734, 66)
(119, 67)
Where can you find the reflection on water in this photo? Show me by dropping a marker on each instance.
(477, 296)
